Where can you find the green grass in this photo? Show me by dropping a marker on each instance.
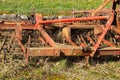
(47, 7)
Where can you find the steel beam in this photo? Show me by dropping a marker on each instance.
(51, 51)
(109, 51)
(46, 36)
(74, 19)
(13, 26)
(100, 7)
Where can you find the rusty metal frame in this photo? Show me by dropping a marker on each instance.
(57, 49)
(109, 51)
(108, 25)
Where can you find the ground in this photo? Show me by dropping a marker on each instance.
(60, 69)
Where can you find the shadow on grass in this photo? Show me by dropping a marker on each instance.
(70, 60)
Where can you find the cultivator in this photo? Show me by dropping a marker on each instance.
(83, 33)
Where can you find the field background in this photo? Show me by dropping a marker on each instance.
(47, 7)
(56, 70)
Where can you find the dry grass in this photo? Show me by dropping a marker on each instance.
(59, 71)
